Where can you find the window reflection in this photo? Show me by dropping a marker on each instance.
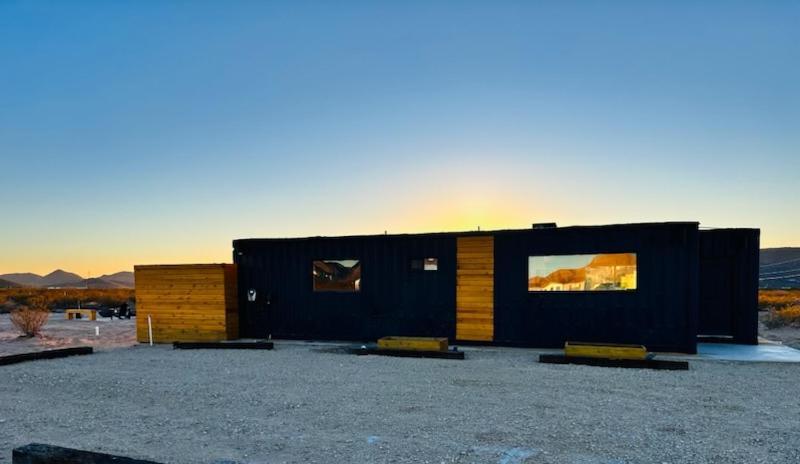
(571, 273)
(342, 275)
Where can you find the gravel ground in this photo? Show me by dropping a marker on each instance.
(305, 403)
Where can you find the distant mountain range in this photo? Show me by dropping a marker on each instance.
(778, 268)
(63, 279)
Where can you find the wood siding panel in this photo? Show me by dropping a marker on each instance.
(187, 303)
(475, 289)
(231, 303)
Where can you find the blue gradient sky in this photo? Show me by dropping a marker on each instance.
(153, 132)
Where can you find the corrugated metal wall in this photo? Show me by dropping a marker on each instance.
(660, 313)
(394, 298)
(729, 284)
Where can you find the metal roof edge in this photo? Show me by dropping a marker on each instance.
(467, 233)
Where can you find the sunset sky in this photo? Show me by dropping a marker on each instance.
(158, 132)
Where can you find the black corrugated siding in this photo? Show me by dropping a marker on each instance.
(395, 300)
(729, 284)
(660, 313)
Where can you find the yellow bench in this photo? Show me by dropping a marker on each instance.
(90, 314)
(602, 350)
(413, 343)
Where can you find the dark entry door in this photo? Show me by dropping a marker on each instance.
(716, 296)
(255, 302)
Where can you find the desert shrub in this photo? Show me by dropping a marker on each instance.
(30, 319)
(22, 298)
(63, 298)
(788, 316)
(777, 299)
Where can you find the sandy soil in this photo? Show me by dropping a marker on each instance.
(61, 333)
(307, 403)
(789, 336)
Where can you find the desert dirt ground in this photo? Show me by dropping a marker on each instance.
(787, 335)
(61, 333)
(305, 402)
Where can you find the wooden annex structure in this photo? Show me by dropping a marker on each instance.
(196, 302)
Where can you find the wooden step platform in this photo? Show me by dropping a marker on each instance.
(413, 343)
(608, 362)
(605, 350)
(49, 354)
(236, 345)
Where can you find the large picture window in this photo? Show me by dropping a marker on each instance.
(337, 275)
(578, 273)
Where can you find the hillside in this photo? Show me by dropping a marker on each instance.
(123, 279)
(60, 278)
(25, 279)
(8, 284)
(63, 279)
(779, 268)
(771, 256)
(102, 283)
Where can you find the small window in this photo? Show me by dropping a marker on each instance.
(337, 275)
(431, 264)
(427, 264)
(578, 273)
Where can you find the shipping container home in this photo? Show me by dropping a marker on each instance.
(538, 287)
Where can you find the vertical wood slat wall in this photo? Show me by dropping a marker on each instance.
(475, 288)
(186, 303)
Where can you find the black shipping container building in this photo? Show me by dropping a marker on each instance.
(657, 284)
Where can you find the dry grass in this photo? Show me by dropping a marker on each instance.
(783, 307)
(31, 318)
(16, 298)
(788, 316)
(777, 299)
